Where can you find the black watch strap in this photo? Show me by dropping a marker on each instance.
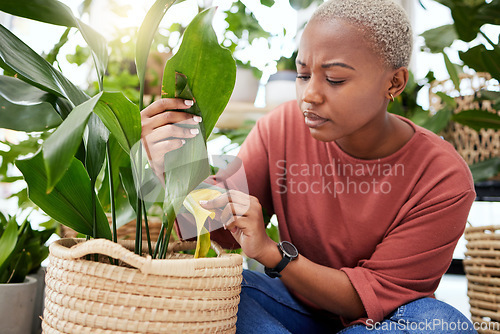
(289, 253)
(275, 272)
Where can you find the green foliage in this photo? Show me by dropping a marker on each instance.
(22, 249)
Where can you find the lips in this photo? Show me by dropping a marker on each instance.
(313, 120)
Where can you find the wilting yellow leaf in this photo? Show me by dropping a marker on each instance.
(192, 204)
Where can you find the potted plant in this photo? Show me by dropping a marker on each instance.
(471, 100)
(88, 289)
(22, 251)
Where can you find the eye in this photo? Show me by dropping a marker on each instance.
(335, 82)
(303, 77)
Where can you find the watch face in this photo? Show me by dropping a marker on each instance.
(289, 249)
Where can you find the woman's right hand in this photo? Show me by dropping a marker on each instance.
(160, 133)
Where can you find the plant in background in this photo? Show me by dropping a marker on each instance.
(22, 249)
(86, 159)
(469, 22)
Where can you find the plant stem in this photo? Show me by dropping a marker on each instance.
(138, 226)
(112, 197)
(159, 241)
(168, 222)
(147, 229)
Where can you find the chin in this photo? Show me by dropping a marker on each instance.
(322, 135)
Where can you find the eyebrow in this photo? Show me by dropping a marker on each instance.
(328, 65)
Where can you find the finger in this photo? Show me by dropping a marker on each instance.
(173, 117)
(170, 131)
(159, 150)
(161, 105)
(233, 196)
(233, 211)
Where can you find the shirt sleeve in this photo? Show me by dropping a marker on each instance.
(255, 160)
(411, 259)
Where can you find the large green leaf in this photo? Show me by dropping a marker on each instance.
(121, 117)
(8, 242)
(438, 121)
(32, 68)
(439, 38)
(97, 138)
(60, 148)
(478, 119)
(486, 169)
(482, 60)
(466, 24)
(210, 69)
(48, 11)
(70, 200)
(98, 45)
(490, 13)
(26, 108)
(453, 71)
(55, 12)
(145, 36)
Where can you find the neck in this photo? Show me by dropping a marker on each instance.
(380, 138)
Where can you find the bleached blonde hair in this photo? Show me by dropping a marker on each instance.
(386, 23)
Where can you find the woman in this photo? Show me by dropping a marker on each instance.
(370, 205)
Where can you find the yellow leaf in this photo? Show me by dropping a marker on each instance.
(192, 204)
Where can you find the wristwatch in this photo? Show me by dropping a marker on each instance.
(289, 253)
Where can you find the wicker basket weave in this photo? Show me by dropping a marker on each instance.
(176, 295)
(482, 267)
(472, 145)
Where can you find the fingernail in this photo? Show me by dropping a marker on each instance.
(197, 119)
(224, 226)
(203, 202)
(188, 102)
(183, 141)
(194, 131)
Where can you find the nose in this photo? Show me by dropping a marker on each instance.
(311, 92)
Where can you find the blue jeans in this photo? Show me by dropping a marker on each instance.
(266, 306)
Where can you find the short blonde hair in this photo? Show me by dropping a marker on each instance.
(387, 25)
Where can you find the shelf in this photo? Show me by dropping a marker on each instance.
(238, 112)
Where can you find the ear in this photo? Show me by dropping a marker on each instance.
(398, 82)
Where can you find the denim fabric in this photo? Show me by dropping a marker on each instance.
(266, 306)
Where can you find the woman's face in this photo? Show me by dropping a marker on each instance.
(342, 85)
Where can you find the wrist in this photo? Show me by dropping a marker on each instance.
(270, 256)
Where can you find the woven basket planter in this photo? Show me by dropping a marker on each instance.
(176, 295)
(474, 146)
(482, 267)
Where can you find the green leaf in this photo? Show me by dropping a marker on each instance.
(485, 170)
(452, 71)
(121, 117)
(267, 3)
(490, 13)
(145, 36)
(61, 146)
(478, 119)
(98, 45)
(482, 60)
(466, 24)
(48, 11)
(70, 200)
(32, 68)
(494, 97)
(8, 242)
(438, 121)
(98, 136)
(26, 108)
(439, 38)
(209, 68)
(300, 4)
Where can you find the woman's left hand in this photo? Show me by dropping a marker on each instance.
(242, 216)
